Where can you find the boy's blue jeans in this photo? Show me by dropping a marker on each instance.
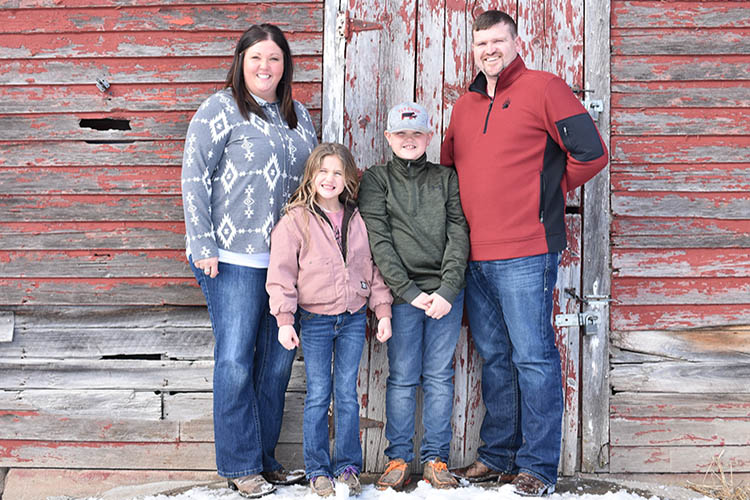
(324, 338)
(421, 351)
(251, 370)
(509, 304)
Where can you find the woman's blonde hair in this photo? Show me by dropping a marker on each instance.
(304, 196)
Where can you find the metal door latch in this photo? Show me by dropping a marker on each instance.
(582, 320)
(594, 107)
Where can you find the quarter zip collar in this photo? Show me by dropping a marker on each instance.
(507, 76)
(408, 166)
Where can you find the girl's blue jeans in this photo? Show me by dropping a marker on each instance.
(328, 340)
(251, 370)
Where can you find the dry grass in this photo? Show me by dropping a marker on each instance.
(718, 484)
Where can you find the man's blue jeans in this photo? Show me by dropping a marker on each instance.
(421, 351)
(509, 304)
(251, 370)
(341, 338)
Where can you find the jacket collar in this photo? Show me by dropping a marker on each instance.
(406, 165)
(509, 75)
(350, 208)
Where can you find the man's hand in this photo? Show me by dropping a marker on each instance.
(208, 266)
(439, 307)
(422, 301)
(384, 329)
(288, 337)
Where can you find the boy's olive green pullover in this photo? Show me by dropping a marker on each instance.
(418, 234)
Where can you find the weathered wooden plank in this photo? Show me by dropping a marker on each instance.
(194, 18)
(90, 208)
(124, 291)
(33, 484)
(334, 69)
(686, 149)
(724, 94)
(139, 375)
(666, 204)
(682, 263)
(429, 75)
(671, 376)
(731, 345)
(117, 404)
(679, 42)
(88, 44)
(72, 317)
(651, 232)
(628, 404)
(620, 356)
(681, 14)
(79, 153)
(681, 177)
(71, 427)
(154, 456)
(720, 121)
(595, 390)
(86, 97)
(176, 343)
(194, 413)
(135, 70)
(680, 68)
(91, 180)
(92, 235)
(644, 291)
(111, 374)
(65, 4)
(698, 459)
(94, 264)
(66, 127)
(650, 431)
(666, 317)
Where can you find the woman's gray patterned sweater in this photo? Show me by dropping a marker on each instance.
(237, 174)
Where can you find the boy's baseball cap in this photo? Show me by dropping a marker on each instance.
(408, 116)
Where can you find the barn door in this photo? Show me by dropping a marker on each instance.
(380, 52)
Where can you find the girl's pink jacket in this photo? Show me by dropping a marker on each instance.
(307, 268)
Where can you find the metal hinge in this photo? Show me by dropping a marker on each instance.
(594, 107)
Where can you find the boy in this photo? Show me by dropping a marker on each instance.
(420, 243)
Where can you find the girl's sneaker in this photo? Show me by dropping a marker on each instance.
(350, 477)
(322, 486)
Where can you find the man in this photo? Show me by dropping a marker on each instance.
(519, 140)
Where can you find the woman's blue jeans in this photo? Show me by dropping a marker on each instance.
(251, 370)
(325, 338)
(421, 351)
(509, 304)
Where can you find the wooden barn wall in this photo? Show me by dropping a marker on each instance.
(680, 324)
(109, 362)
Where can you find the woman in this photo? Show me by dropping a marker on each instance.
(244, 156)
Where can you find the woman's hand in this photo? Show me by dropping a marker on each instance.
(384, 329)
(288, 337)
(208, 266)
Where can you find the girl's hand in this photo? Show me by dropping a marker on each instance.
(208, 266)
(439, 307)
(288, 337)
(384, 329)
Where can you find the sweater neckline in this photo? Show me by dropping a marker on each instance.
(410, 164)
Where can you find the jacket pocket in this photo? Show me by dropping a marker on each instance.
(541, 197)
(315, 283)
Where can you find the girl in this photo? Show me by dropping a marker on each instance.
(321, 262)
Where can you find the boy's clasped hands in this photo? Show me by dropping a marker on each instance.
(432, 304)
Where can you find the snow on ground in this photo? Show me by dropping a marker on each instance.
(423, 492)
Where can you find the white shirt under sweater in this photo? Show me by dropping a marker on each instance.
(237, 174)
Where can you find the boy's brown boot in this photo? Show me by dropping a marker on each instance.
(436, 473)
(395, 475)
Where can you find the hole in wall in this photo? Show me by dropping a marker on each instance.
(105, 123)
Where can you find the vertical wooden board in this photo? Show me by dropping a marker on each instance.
(533, 34)
(334, 66)
(363, 388)
(596, 259)
(568, 342)
(429, 76)
(376, 443)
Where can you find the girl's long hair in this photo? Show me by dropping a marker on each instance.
(236, 76)
(304, 196)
